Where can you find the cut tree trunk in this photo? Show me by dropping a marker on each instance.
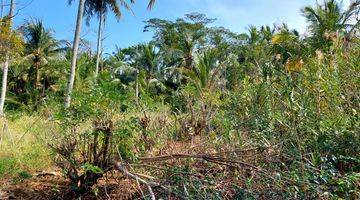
(75, 53)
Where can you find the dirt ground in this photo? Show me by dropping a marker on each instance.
(115, 185)
(57, 187)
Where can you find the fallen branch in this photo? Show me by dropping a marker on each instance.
(163, 169)
(47, 174)
(223, 160)
(206, 157)
(144, 176)
(122, 169)
(170, 157)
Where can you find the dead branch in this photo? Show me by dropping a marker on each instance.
(206, 157)
(170, 157)
(122, 169)
(47, 174)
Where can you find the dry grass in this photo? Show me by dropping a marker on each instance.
(21, 145)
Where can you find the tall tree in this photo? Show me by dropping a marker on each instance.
(40, 47)
(6, 64)
(144, 58)
(74, 51)
(100, 8)
(180, 38)
(89, 8)
(203, 72)
(178, 42)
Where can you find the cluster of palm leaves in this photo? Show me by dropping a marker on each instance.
(329, 19)
(33, 73)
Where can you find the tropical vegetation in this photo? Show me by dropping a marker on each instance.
(198, 112)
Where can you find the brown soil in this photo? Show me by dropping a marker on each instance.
(57, 187)
(116, 186)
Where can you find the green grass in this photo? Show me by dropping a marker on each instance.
(22, 150)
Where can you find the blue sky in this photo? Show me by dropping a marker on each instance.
(236, 15)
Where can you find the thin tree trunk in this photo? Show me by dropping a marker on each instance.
(12, 10)
(2, 8)
(75, 52)
(6, 65)
(189, 60)
(137, 87)
(99, 42)
(4, 86)
(37, 79)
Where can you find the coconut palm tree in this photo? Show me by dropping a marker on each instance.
(179, 42)
(40, 47)
(206, 70)
(329, 19)
(147, 58)
(6, 64)
(142, 58)
(75, 49)
(92, 7)
(100, 8)
(180, 38)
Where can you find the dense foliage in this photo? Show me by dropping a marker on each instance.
(284, 106)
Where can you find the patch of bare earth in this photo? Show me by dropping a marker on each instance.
(225, 168)
(112, 186)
